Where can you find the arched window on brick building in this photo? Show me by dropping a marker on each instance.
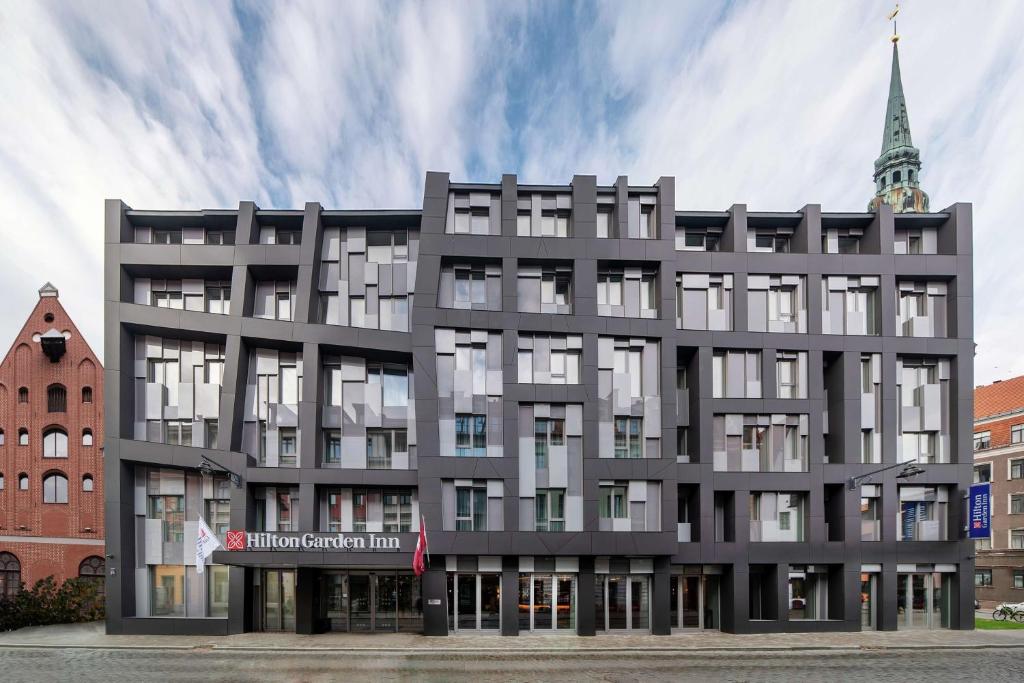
(93, 569)
(86, 394)
(10, 575)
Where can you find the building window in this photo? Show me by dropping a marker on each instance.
(87, 483)
(983, 544)
(10, 575)
(288, 446)
(550, 509)
(982, 577)
(23, 395)
(470, 286)
(22, 437)
(92, 570)
(359, 511)
(471, 508)
(332, 447)
(55, 488)
(737, 374)
(394, 380)
(605, 222)
(397, 511)
(1017, 469)
(547, 432)
(1017, 433)
(1018, 578)
(387, 246)
(982, 440)
(23, 482)
(870, 514)
(1017, 504)
(1, 481)
(380, 443)
(470, 435)
(1017, 539)
(808, 594)
(982, 473)
(86, 437)
(170, 509)
(55, 443)
(284, 510)
(179, 433)
(167, 590)
(218, 298)
(779, 517)
(629, 435)
(56, 399)
(86, 394)
(613, 502)
(1, 437)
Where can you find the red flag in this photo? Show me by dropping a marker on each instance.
(418, 564)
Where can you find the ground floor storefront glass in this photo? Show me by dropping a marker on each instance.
(695, 602)
(474, 601)
(382, 601)
(547, 603)
(922, 600)
(275, 600)
(868, 601)
(622, 603)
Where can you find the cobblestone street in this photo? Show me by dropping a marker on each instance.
(444, 665)
(83, 652)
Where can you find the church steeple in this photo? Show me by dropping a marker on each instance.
(898, 168)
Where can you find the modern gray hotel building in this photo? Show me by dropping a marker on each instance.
(611, 415)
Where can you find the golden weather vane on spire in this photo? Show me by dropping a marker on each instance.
(892, 17)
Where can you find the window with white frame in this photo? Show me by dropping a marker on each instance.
(471, 508)
(629, 437)
(547, 432)
(550, 509)
(982, 440)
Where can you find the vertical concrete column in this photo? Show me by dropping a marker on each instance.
(585, 581)
(435, 602)
(849, 596)
(807, 238)
(887, 609)
(584, 206)
(306, 599)
(510, 593)
(310, 419)
(781, 596)
(232, 395)
(509, 204)
(307, 300)
(734, 236)
(661, 594)
(247, 230)
(621, 216)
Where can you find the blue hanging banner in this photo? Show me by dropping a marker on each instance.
(980, 516)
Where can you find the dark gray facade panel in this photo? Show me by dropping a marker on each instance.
(717, 507)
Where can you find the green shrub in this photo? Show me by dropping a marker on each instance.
(46, 603)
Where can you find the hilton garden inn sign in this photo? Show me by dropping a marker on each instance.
(273, 540)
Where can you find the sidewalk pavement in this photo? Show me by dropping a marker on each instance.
(92, 636)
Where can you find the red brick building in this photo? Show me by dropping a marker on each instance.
(999, 458)
(51, 452)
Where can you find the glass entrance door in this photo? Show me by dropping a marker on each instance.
(547, 602)
(360, 603)
(277, 611)
(622, 603)
(695, 601)
(371, 601)
(922, 601)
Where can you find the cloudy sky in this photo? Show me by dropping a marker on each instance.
(191, 104)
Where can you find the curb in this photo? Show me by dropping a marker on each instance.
(448, 652)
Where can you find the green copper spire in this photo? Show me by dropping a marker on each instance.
(898, 168)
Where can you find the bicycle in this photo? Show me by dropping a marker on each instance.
(1007, 610)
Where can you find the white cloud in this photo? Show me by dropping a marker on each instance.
(776, 105)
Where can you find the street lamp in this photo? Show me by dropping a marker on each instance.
(910, 469)
(207, 467)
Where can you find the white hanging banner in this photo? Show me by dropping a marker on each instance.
(206, 543)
